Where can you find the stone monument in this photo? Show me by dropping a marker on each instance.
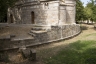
(51, 20)
(43, 12)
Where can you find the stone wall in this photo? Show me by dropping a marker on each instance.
(45, 12)
(60, 16)
(56, 33)
(63, 19)
(70, 11)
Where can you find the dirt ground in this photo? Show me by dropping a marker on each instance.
(20, 31)
(48, 50)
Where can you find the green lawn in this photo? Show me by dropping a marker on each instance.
(79, 52)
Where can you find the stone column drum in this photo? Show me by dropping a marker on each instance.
(62, 20)
(70, 11)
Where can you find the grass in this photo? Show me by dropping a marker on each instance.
(79, 52)
(84, 28)
(93, 34)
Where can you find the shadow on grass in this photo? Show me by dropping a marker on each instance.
(94, 28)
(84, 27)
(79, 52)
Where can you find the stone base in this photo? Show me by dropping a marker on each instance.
(54, 34)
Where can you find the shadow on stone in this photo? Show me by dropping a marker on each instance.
(4, 57)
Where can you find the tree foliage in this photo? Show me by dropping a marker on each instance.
(91, 10)
(86, 13)
(4, 4)
(94, 13)
(79, 10)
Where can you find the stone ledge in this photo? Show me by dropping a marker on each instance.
(44, 38)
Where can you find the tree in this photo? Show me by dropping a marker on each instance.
(94, 13)
(86, 13)
(79, 11)
(90, 10)
(4, 4)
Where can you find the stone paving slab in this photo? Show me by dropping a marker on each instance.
(22, 38)
(38, 32)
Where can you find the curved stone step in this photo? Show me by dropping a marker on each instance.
(37, 28)
(32, 34)
(38, 32)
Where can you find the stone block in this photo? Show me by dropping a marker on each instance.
(12, 36)
(33, 55)
(28, 53)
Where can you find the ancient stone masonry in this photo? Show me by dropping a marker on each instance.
(41, 36)
(51, 20)
(43, 12)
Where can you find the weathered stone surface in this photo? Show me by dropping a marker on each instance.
(54, 34)
(12, 36)
(29, 54)
(26, 53)
(52, 20)
(45, 12)
(33, 55)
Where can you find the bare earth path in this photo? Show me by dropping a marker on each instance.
(48, 50)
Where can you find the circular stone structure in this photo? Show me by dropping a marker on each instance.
(43, 12)
(51, 20)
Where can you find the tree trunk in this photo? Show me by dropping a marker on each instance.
(87, 21)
